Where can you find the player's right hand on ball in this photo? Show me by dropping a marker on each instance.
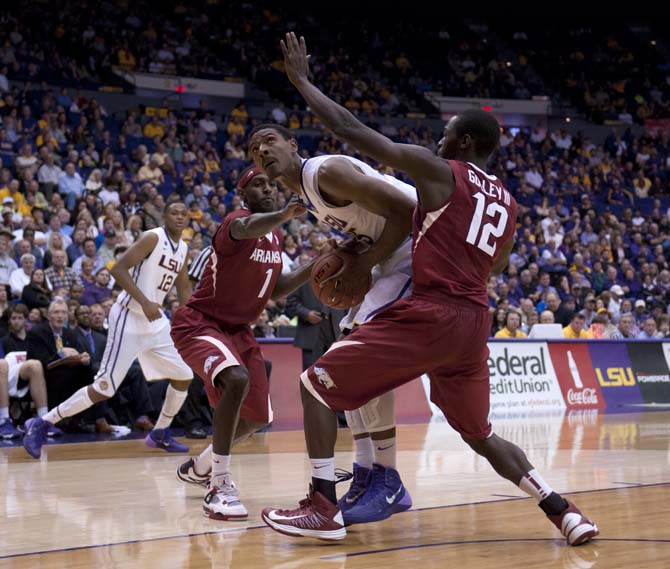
(293, 208)
(152, 311)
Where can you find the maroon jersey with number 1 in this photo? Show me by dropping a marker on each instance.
(240, 275)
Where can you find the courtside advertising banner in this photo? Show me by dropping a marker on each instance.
(576, 375)
(615, 375)
(523, 379)
(650, 364)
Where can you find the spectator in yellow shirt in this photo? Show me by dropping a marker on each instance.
(153, 128)
(512, 325)
(575, 330)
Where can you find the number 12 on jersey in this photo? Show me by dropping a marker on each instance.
(492, 229)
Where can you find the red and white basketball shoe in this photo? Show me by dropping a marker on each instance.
(576, 527)
(222, 502)
(315, 516)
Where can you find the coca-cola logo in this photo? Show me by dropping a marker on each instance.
(585, 396)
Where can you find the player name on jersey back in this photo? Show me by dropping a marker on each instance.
(489, 188)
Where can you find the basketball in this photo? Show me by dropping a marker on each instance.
(325, 267)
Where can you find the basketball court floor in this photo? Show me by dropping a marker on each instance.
(119, 505)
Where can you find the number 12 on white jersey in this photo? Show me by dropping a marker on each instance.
(491, 229)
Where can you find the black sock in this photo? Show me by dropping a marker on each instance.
(553, 504)
(326, 487)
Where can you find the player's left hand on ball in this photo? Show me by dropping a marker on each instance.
(296, 60)
(353, 277)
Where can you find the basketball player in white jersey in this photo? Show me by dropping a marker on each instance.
(138, 328)
(376, 211)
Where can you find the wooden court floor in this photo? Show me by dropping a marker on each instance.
(119, 505)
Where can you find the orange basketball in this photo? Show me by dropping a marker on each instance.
(326, 266)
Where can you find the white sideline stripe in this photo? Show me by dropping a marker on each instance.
(308, 384)
(230, 359)
(342, 344)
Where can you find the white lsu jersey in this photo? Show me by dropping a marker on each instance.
(352, 220)
(156, 274)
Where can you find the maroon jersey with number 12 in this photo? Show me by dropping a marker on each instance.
(240, 275)
(456, 246)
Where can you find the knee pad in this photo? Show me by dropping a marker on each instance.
(104, 386)
(378, 414)
(355, 422)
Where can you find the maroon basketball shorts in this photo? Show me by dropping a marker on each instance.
(446, 341)
(209, 349)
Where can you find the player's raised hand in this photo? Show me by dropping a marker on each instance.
(296, 60)
(293, 208)
(152, 310)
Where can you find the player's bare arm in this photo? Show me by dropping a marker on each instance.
(259, 224)
(184, 285)
(286, 284)
(137, 252)
(431, 174)
(339, 178)
(503, 260)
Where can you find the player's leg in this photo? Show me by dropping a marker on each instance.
(213, 354)
(120, 351)
(222, 501)
(33, 372)
(333, 383)
(7, 429)
(373, 428)
(384, 480)
(156, 363)
(465, 402)
(364, 458)
(243, 396)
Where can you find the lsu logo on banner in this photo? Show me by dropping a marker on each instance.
(615, 377)
(615, 373)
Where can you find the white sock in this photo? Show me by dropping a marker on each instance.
(203, 463)
(385, 452)
(365, 452)
(173, 401)
(220, 467)
(323, 468)
(41, 411)
(4, 414)
(77, 402)
(534, 485)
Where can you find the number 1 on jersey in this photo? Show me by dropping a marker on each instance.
(266, 283)
(489, 230)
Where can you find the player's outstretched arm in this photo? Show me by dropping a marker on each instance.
(259, 224)
(137, 252)
(286, 284)
(417, 161)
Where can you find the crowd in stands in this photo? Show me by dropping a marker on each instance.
(73, 44)
(609, 73)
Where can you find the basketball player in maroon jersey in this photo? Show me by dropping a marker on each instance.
(463, 231)
(213, 336)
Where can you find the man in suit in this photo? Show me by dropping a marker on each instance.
(318, 324)
(51, 341)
